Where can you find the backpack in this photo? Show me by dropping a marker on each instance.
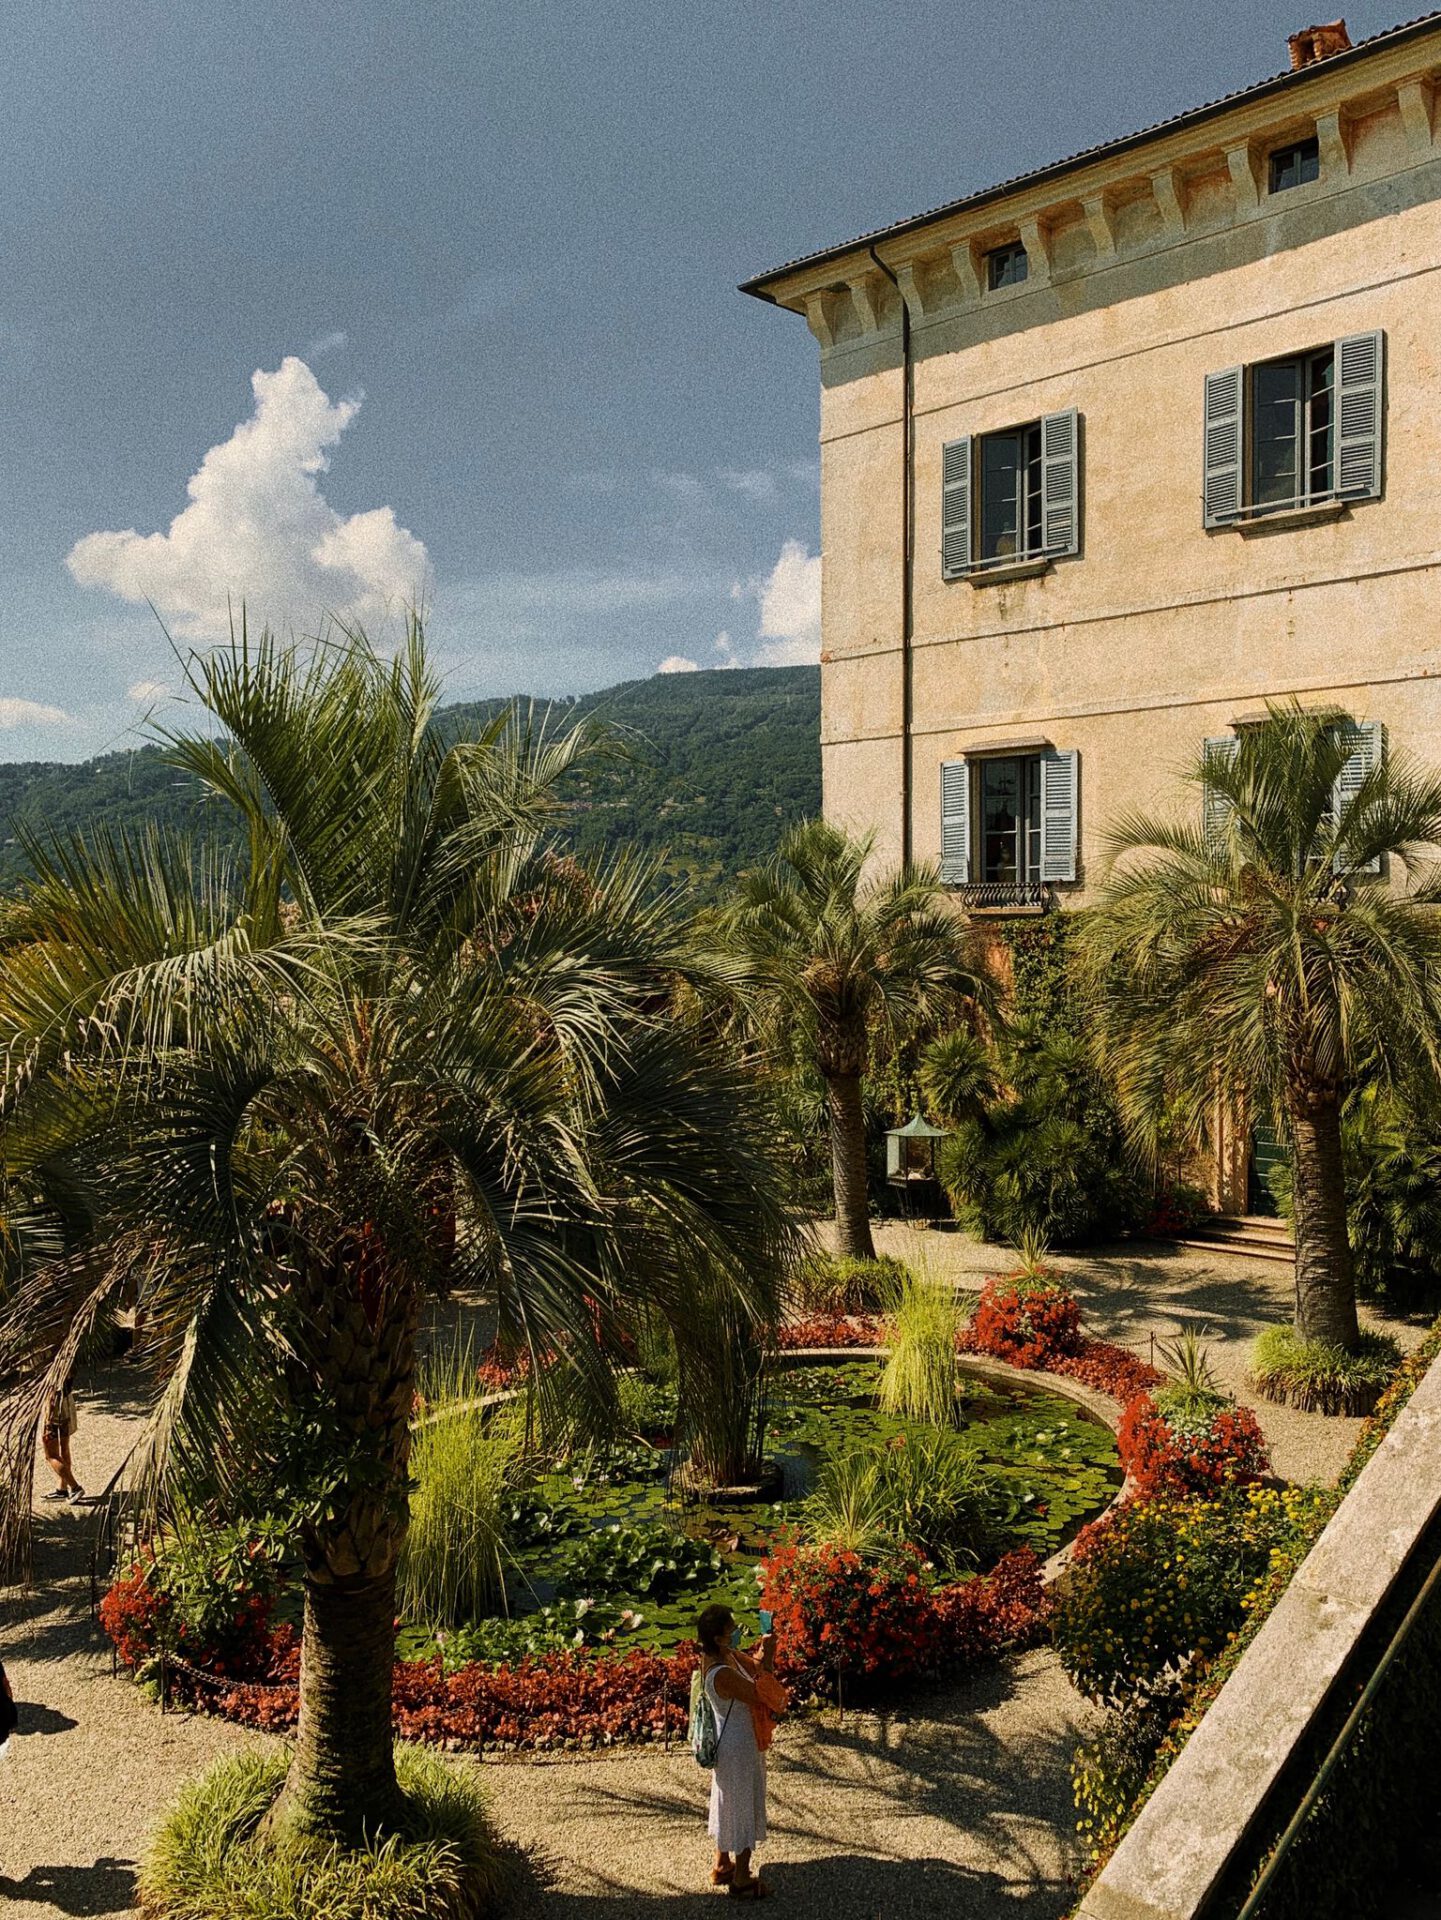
(704, 1735)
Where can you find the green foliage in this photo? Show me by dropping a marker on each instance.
(929, 1489)
(1044, 971)
(1187, 1359)
(919, 1381)
(1157, 1582)
(958, 1076)
(208, 1860)
(1050, 1161)
(1393, 1186)
(453, 1564)
(216, 1581)
(718, 766)
(826, 1284)
(1318, 1378)
(644, 1562)
(1109, 1770)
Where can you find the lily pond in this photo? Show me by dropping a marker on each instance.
(605, 1550)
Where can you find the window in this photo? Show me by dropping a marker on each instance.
(1296, 432)
(1006, 266)
(1010, 820)
(1011, 494)
(1024, 809)
(1293, 166)
(1293, 443)
(1012, 497)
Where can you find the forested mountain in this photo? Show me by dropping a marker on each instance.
(713, 767)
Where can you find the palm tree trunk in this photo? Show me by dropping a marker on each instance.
(1325, 1283)
(341, 1781)
(848, 1166)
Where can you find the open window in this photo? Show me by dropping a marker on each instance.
(1012, 498)
(1008, 825)
(1296, 432)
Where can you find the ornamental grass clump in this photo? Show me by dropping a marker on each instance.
(919, 1381)
(453, 1565)
(930, 1490)
(1320, 1378)
(210, 1860)
(828, 1285)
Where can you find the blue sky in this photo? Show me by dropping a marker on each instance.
(398, 296)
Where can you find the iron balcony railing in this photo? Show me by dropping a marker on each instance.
(1004, 893)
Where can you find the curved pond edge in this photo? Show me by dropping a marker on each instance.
(1029, 1379)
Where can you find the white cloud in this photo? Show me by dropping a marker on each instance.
(143, 692)
(753, 482)
(30, 713)
(333, 342)
(677, 663)
(258, 529)
(725, 647)
(790, 598)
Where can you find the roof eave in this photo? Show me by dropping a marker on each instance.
(760, 285)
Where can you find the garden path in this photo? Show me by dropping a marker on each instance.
(963, 1808)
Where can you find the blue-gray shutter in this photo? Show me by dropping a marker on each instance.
(956, 509)
(1061, 483)
(1060, 796)
(1214, 805)
(1360, 371)
(955, 823)
(1224, 442)
(1368, 743)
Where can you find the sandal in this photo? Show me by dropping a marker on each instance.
(722, 1876)
(752, 1889)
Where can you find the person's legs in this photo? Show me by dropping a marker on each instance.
(57, 1449)
(67, 1472)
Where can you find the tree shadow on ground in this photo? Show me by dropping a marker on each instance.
(871, 1814)
(108, 1886)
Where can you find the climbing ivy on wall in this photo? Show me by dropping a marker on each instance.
(1043, 962)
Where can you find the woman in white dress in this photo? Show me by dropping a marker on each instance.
(738, 1785)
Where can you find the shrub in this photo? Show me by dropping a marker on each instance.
(208, 1860)
(832, 1330)
(834, 1614)
(927, 1490)
(1030, 1323)
(1155, 1582)
(826, 1284)
(453, 1567)
(1051, 1156)
(919, 1380)
(1106, 1368)
(1109, 1770)
(1318, 1378)
(203, 1593)
(1178, 1441)
(1174, 1209)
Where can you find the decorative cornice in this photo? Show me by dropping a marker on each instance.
(939, 264)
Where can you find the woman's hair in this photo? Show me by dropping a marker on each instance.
(713, 1627)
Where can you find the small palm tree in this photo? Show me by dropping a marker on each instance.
(1258, 959)
(402, 1047)
(844, 957)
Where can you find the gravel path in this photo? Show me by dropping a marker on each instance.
(961, 1808)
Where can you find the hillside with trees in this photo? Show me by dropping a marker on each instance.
(711, 769)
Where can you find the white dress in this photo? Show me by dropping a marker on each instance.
(738, 1785)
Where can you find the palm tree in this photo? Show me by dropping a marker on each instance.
(1257, 958)
(402, 1047)
(842, 957)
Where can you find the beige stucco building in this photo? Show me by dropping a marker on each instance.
(1118, 451)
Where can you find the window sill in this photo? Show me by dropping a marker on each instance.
(1281, 519)
(1012, 570)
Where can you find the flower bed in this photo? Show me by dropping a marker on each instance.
(1028, 1322)
(835, 1616)
(1196, 1448)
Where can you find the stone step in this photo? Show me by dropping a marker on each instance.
(1255, 1236)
